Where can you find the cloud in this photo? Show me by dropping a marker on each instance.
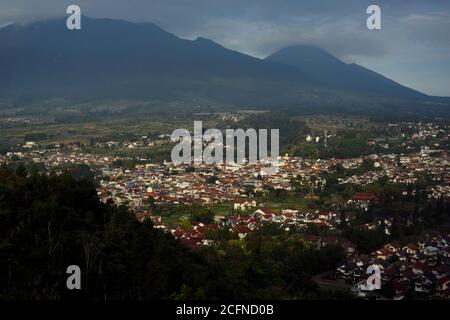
(431, 28)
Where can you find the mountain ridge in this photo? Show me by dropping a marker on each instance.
(330, 70)
(118, 59)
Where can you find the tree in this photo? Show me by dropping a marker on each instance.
(21, 170)
(249, 190)
(396, 228)
(206, 217)
(82, 171)
(343, 222)
(150, 202)
(367, 241)
(51, 222)
(211, 179)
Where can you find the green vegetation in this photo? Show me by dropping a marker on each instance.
(49, 223)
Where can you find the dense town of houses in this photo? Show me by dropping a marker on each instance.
(180, 184)
(421, 267)
(167, 183)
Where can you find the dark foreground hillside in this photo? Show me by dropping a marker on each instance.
(49, 223)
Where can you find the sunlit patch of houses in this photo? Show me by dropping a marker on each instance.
(242, 226)
(363, 200)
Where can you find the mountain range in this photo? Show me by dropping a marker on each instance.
(115, 59)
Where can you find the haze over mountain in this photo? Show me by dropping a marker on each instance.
(331, 71)
(115, 59)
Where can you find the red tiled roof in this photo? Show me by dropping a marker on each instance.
(364, 196)
(421, 266)
(413, 247)
(266, 210)
(241, 229)
(191, 243)
(348, 244)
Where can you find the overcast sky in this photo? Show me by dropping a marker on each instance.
(412, 48)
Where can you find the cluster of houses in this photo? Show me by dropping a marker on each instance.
(363, 200)
(167, 183)
(56, 158)
(416, 269)
(184, 184)
(141, 142)
(241, 226)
